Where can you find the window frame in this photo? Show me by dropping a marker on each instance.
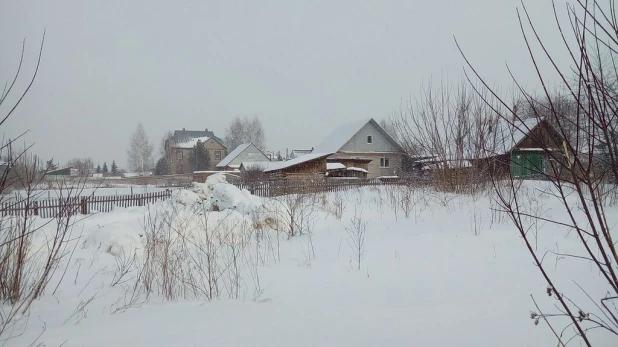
(385, 162)
(369, 139)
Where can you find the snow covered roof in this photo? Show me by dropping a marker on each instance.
(299, 152)
(191, 143)
(279, 165)
(511, 134)
(351, 168)
(235, 153)
(187, 138)
(256, 164)
(340, 136)
(334, 166)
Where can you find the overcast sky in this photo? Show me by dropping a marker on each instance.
(303, 67)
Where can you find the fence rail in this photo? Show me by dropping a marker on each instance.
(91, 204)
(78, 205)
(277, 188)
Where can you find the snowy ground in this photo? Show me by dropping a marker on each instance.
(451, 273)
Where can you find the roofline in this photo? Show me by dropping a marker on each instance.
(388, 136)
(322, 156)
(241, 152)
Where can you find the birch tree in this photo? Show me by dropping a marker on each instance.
(244, 130)
(140, 150)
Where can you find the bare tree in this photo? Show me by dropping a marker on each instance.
(583, 187)
(164, 143)
(84, 166)
(451, 127)
(25, 272)
(388, 124)
(140, 150)
(244, 130)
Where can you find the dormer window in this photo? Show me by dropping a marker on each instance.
(369, 139)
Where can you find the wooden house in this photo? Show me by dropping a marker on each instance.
(525, 149)
(306, 167)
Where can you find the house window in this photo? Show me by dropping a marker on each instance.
(218, 155)
(384, 162)
(369, 139)
(179, 155)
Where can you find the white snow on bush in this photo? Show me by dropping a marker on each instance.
(116, 239)
(187, 197)
(227, 196)
(187, 214)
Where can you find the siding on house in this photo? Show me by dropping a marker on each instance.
(375, 165)
(216, 151)
(379, 142)
(179, 157)
(247, 152)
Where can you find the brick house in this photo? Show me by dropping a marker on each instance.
(179, 149)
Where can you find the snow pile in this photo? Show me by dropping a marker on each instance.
(215, 207)
(221, 195)
(227, 196)
(186, 197)
(116, 238)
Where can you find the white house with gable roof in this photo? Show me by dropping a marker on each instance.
(365, 145)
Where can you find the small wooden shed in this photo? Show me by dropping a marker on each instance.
(308, 166)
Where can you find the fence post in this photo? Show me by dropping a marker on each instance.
(84, 205)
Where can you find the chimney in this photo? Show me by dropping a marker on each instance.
(183, 129)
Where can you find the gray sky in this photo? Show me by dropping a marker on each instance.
(303, 67)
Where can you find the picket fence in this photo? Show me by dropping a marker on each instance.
(92, 204)
(78, 205)
(277, 188)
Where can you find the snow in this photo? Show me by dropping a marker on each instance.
(352, 168)
(235, 153)
(278, 165)
(426, 279)
(191, 143)
(531, 149)
(334, 166)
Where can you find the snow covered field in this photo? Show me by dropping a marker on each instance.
(443, 270)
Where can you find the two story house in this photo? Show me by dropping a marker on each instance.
(364, 144)
(179, 149)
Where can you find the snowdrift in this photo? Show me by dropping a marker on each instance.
(215, 207)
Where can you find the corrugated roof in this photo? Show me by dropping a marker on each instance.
(235, 153)
(279, 165)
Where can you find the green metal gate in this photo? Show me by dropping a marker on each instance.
(527, 164)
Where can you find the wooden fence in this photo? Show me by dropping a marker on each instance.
(78, 205)
(277, 188)
(91, 204)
